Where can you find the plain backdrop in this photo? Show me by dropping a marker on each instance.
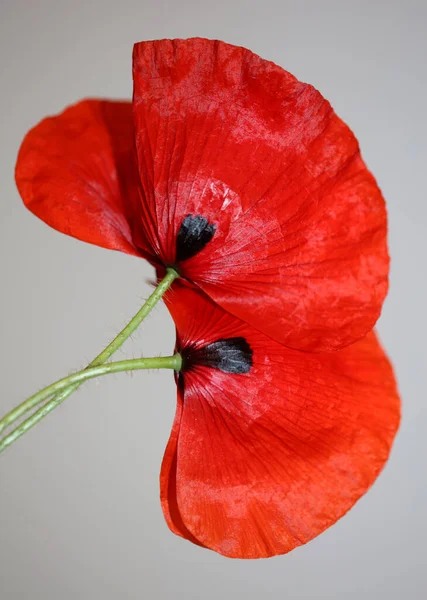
(80, 516)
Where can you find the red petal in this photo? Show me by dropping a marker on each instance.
(267, 460)
(168, 479)
(77, 172)
(300, 246)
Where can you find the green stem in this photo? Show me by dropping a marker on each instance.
(161, 362)
(118, 341)
(144, 311)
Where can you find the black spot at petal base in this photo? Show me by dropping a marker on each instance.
(193, 235)
(232, 355)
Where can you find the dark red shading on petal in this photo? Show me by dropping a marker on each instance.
(299, 250)
(266, 461)
(77, 172)
(168, 478)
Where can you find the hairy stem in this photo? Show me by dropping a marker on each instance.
(161, 362)
(116, 343)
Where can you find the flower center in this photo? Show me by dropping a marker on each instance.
(232, 355)
(193, 235)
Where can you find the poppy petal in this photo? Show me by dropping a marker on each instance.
(296, 222)
(266, 460)
(168, 479)
(77, 172)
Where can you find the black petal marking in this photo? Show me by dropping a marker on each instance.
(232, 355)
(193, 235)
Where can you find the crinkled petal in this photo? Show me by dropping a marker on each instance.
(267, 460)
(77, 172)
(299, 251)
(168, 478)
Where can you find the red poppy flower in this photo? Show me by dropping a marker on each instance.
(270, 446)
(243, 178)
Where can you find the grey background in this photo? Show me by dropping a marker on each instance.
(79, 511)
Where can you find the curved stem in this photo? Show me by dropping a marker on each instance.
(144, 311)
(118, 341)
(162, 362)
